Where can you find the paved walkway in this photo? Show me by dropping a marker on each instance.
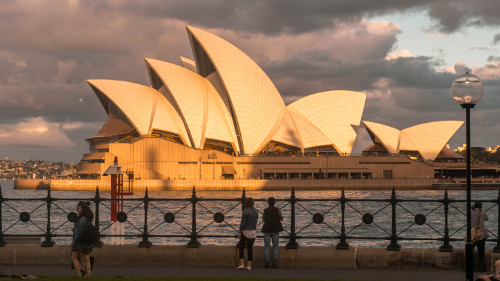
(150, 271)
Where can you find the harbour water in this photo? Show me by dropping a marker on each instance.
(205, 210)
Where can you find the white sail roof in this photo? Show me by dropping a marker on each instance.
(189, 93)
(334, 113)
(256, 103)
(427, 138)
(388, 136)
(137, 102)
(430, 138)
(167, 119)
(189, 64)
(288, 133)
(310, 135)
(198, 101)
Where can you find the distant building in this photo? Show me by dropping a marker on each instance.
(492, 150)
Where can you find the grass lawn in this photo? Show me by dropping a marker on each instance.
(120, 278)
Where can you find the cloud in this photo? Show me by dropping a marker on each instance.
(451, 16)
(493, 58)
(496, 38)
(460, 67)
(479, 48)
(399, 54)
(34, 132)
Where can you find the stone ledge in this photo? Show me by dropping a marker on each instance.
(227, 256)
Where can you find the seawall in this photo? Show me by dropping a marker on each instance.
(237, 184)
(227, 256)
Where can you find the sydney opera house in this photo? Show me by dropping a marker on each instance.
(221, 117)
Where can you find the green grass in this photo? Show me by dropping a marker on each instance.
(121, 278)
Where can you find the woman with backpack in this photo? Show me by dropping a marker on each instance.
(80, 247)
(478, 217)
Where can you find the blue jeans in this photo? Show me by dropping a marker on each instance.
(267, 245)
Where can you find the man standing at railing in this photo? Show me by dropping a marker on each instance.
(272, 226)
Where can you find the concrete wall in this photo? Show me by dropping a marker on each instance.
(227, 256)
(209, 184)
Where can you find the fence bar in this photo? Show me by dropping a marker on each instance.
(343, 245)
(193, 243)
(497, 247)
(2, 242)
(97, 202)
(394, 246)
(446, 247)
(292, 243)
(48, 241)
(145, 243)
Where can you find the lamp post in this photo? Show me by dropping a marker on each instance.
(468, 90)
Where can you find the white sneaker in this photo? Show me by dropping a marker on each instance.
(241, 267)
(248, 268)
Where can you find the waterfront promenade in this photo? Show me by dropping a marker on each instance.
(283, 273)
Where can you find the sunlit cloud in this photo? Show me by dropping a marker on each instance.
(34, 132)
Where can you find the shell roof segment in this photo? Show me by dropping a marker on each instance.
(189, 64)
(136, 102)
(334, 113)
(189, 92)
(288, 133)
(219, 122)
(427, 138)
(256, 102)
(167, 119)
(199, 103)
(430, 138)
(388, 136)
(310, 135)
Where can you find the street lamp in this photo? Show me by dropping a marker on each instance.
(468, 90)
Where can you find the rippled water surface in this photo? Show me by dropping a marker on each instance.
(205, 210)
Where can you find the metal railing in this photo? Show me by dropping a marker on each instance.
(340, 217)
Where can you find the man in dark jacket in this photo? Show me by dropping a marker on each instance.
(272, 226)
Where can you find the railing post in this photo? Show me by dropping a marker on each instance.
(446, 247)
(194, 241)
(292, 244)
(2, 241)
(497, 247)
(243, 199)
(48, 241)
(145, 243)
(343, 245)
(394, 246)
(97, 200)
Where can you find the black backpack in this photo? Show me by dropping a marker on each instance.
(89, 234)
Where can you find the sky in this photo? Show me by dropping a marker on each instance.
(403, 54)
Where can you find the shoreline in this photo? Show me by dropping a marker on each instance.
(251, 184)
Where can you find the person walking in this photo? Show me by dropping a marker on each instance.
(248, 233)
(478, 217)
(272, 226)
(81, 250)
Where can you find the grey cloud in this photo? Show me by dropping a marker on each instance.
(454, 15)
(496, 38)
(297, 16)
(493, 58)
(270, 17)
